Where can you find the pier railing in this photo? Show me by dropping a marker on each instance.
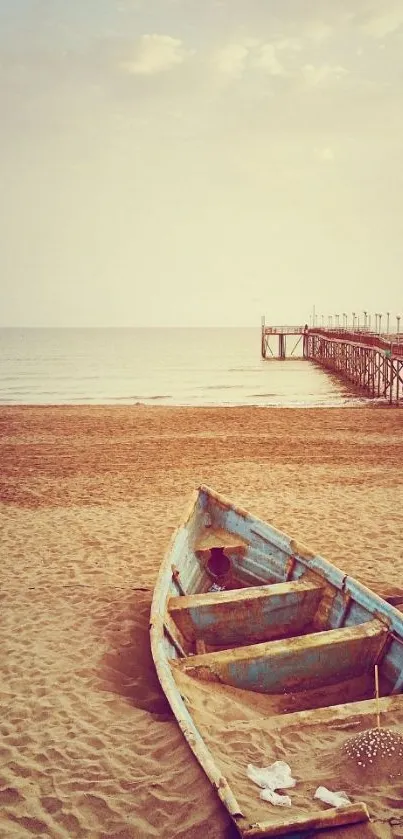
(371, 361)
(284, 330)
(389, 342)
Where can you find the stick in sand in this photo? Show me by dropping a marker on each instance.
(378, 713)
(376, 744)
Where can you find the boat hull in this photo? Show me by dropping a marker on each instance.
(240, 606)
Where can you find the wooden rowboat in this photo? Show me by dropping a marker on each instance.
(240, 607)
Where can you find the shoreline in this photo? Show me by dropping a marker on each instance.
(116, 406)
(89, 497)
(56, 406)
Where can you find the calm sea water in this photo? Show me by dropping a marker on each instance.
(157, 366)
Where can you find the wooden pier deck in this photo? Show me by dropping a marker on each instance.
(372, 362)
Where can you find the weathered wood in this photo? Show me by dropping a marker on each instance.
(252, 614)
(398, 686)
(177, 580)
(174, 641)
(302, 663)
(345, 716)
(345, 610)
(164, 672)
(218, 538)
(364, 643)
(290, 568)
(335, 817)
(185, 721)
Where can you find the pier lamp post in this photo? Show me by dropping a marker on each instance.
(398, 324)
(376, 321)
(353, 321)
(380, 321)
(337, 320)
(345, 319)
(387, 322)
(369, 322)
(365, 320)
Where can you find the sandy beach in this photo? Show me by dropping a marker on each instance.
(89, 497)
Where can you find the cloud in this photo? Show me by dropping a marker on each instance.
(266, 59)
(319, 76)
(234, 59)
(276, 59)
(319, 31)
(231, 60)
(155, 54)
(318, 23)
(386, 22)
(290, 44)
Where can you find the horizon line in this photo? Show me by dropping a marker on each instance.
(132, 326)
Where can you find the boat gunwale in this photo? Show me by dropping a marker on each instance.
(168, 684)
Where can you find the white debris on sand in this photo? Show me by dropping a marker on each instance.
(271, 778)
(335, 799)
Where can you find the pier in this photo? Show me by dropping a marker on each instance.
(281, 332)
(371, 361)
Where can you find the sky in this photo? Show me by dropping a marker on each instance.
(188, 163)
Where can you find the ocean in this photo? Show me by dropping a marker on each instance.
(186, 366)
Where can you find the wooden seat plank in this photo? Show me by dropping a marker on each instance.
(319, 819)
(216, 538)
(294, 664)
(259, 613)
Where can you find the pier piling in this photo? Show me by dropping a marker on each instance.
(370, 361)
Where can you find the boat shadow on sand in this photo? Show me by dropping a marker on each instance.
(127, 668)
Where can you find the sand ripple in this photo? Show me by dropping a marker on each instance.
(89, 499)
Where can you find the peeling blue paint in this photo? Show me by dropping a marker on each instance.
(233, 622)
(305, 668)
